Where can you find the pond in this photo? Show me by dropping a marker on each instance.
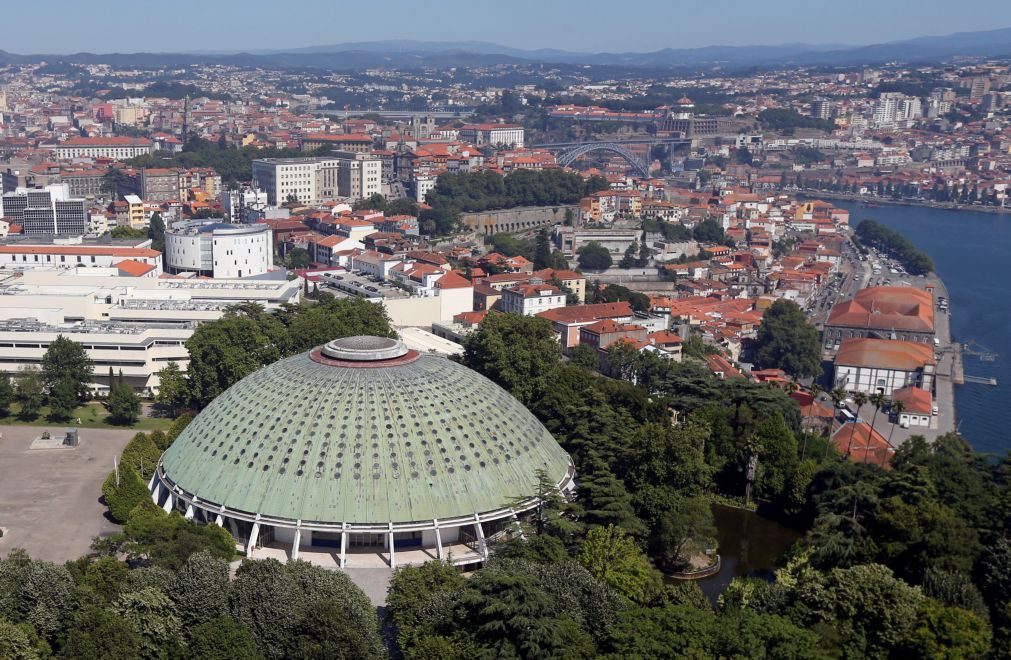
(749, 546)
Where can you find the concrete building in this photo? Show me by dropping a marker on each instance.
(365, 450)
(307, 180)
(136, 217)
(360, 175)
(884, 366)
(22, 255)
(235, 202)
(136, 324)
(160, 184)
(116, 148)
(215, 249)
(46, 211)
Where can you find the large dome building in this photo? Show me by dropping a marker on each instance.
(362, 447)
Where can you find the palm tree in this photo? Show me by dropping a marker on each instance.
(878, 400)
(897, 408)
(859, 400)
(838, 394)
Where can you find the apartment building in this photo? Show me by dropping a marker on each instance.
(46, 211)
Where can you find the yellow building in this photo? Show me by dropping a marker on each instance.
(136, 216)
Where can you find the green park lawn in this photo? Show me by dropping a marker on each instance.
(93, 416)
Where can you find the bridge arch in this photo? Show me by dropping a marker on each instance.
(570, 155)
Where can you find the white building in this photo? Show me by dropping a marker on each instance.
(136, 325)
(220, 250)
(884, 365)
(309, 180)
(530, 299)
(235, 202)
(28, 256)
(103, 147)
(510, 135)
(359, 175)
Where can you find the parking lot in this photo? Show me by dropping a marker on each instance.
(50, 498)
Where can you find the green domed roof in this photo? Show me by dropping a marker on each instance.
(363, 431)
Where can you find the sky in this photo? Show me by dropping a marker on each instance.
(101, 26)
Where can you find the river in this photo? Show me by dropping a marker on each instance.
(970, 250)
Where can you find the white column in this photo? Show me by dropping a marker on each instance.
(254, 536)
(295, 543)
(438, 541)
(168, 503)
(393, 560)
(344, 545)
(219, 520)
(156, 493)
(482, 544)
(150, 483)
(189, 512)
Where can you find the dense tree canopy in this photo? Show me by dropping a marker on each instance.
(895, 245)
(787, 341)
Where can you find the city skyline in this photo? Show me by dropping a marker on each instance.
(586, 27)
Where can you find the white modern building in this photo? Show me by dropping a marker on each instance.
(136, 325)
(510, 135)
(217, 249)
(307, 180)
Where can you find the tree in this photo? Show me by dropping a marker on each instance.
(98, 632)
(329, 629)
(123, 405)
(542, 250)
(612, 557)
(785, 340)
(156, 232)
(66, 360)
(200, 589)
(131, 491)
(15, 642)
(685, 528)
(412, 588)
(517, 352)
(629, 259)
(594, 256)
(30, 393)
(62, 400)
(708, 231)
(222, 638)
(584, 356)
(154, 616)
(38, 593)
(173, 388)
(297, 257)
(877, 400)
(7, 394)
(947, 632)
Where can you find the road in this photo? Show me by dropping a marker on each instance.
(856, 275)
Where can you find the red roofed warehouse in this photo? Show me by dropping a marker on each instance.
(883, 365)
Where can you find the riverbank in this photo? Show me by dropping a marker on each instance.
(867, 200)
(968, 249)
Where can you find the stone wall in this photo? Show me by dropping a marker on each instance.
(518, 219)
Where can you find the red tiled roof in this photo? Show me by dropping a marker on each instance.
(453, 280)
(134, 268)
(587, 313)
(884, 354)
(914, 399)
(886, 308)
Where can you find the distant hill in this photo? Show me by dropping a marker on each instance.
(405, 53)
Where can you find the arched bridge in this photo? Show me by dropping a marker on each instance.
(568, 152)
(568, 156)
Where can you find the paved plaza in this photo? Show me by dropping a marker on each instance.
(50, 498)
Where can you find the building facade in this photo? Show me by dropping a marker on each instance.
(50, 210)
(217, 249)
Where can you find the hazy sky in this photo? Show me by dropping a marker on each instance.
(62, 26)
